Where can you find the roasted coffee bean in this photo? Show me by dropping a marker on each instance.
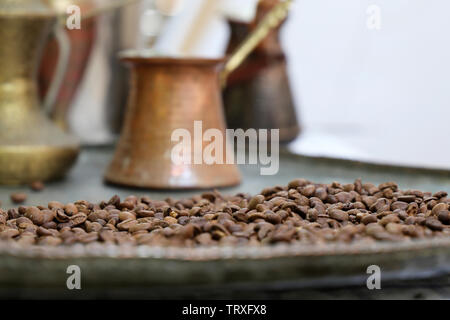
(390, 218)
(303, 212)
(338, 215)
(434, 224)
(78, 219)
(440, 194)
(18, 197)
(444, 217)
(308, 190)
(255, 201)
(399, 205)
(37, 186)
(204, 239)
(370, 218)
(115, 201)
(13, 214)
(126, 205)
(343, 197)
(412, 209)
(50, 241)
(123, 215)
(380, 205)
(55, 205)
(70, 209)
(407, 198)
(39, 217)
(438, 208)
(294, 184)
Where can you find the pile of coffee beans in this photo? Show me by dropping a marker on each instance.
(302, 212)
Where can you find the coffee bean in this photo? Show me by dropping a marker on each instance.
(380, 205)
(343, 197)
(407, 198)
(308, 190)
(444, 217)
(434, 224)
(394, 228)
(399, 205)
(18, 197)
(78, 219)
(55, 205)
(255, 201)
(338, 215)
(70, 209)
(50, 241)
(294, 184)
(369, 219)
(37, 186)
(304, 212)
(413, 209)
(391, 218)
(440, 194)
(438, 208)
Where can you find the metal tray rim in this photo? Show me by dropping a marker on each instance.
(213, 253)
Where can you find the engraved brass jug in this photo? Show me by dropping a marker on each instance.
(169, 94)
(32, 147)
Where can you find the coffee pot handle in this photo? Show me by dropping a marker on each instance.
(63, 41)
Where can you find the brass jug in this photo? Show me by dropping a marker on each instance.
(169, 94)
(31, 146)
(258, 93)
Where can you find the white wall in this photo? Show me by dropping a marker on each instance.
(380, 95)
(393, 82)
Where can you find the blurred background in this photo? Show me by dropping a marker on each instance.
(375, 93)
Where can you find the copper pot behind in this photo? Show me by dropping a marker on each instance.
(169, 94)
(258, 93)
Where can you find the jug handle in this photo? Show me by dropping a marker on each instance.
(271, 21)
(63, 41)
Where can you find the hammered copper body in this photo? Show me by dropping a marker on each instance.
(31, 146)
(258, 93)
(169, 94)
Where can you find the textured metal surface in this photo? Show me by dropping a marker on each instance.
(31, 146)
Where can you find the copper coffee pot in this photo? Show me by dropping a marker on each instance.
(261, 84)
(169, 94)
